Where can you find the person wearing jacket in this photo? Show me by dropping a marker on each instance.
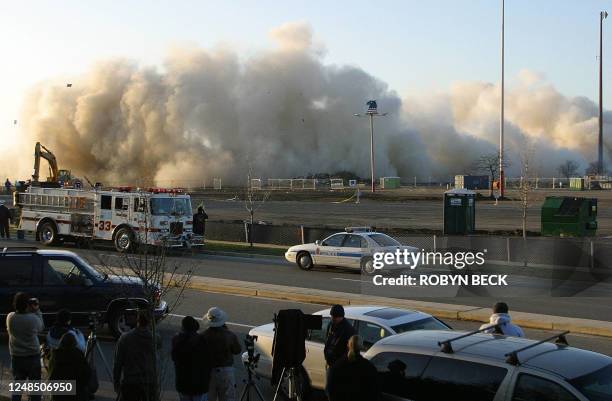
(352, 377)
(134, 370)
(501, 318)
(5, 216)
(338, 334)
(23, 327)
(223, 345)
(199, 221)
(62, 326)
(68, 363)
(191, 359)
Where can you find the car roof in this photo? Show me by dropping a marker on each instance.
(386, 316)
(548, 357)
(43, 252)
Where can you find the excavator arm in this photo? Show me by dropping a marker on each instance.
(42, 152)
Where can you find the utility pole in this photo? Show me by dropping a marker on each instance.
(371, 113)
(600, 163)
(501, 120)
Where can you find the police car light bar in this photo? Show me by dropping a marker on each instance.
(358, 229)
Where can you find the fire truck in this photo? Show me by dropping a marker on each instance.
(125, 216)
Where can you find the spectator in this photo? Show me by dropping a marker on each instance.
(223, 345)
(501, 318)
(62, 326)
(134, 370)
(352, 377)
(7, 186)
(23, 327)
(68, 363)
(4, 221)
(338, 334)
(191, 362)
(199, 221)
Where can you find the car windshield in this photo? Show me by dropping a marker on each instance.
(170, 206)
(384, 240)
(429, 323)
(596, 386)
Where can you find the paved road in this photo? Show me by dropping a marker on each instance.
(276, 271)
(260, 311)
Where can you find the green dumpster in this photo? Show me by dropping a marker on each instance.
(459, 212)
(569, 217)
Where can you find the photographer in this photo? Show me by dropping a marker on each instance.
(62, 326)
(339, 332)
(191, 359)
(68, 363)
(23, 327)
(223, 345)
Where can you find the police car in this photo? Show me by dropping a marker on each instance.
(353, 248)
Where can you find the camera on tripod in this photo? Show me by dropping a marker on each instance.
(253, 358)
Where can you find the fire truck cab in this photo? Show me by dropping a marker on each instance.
(122, 215)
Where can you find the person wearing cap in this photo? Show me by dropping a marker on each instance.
(222, 345)
(338, 334)
(4, 221)
(191, 358)
(62, 326)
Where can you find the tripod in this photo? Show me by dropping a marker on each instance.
(92, 346)
(250, 384)
(295, 389)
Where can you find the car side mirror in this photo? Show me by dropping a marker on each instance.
(317, 243)
(87, 282)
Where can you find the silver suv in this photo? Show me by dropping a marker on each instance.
(444, 365)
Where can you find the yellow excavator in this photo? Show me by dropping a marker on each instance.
(57, 177)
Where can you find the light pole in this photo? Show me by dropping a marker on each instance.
(371, 113)
(600, 166)
(501, 119)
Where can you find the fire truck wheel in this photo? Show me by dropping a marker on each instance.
(124, 240)
(47, 233)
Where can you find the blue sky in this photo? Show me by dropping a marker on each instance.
(415, 46)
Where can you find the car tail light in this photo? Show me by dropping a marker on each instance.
(156, 296)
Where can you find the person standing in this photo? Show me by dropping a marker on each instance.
(4, 221)
(502, 319)
(199, 221)
(23, 327)
(62, 326)
(352, 377)
(134, 370)
(338, 334)
(223, 345)
(191, 359)
(7, 186)
(68, 363)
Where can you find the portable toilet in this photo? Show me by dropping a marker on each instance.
(569, 217)
(459, 212)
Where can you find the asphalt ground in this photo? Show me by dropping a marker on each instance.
(277, 271)
(245, 313)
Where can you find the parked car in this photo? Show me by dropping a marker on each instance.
(61, 279)
(372, 323)
(487, 367)
(354, 248)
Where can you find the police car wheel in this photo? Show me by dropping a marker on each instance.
(304, 261)
(367, 266)
(124, 240)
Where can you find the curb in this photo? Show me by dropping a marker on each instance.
(440, 310)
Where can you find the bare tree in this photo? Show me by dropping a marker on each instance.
(568, 169)
(489, 164)
(593, 169)
(162, 280)
(254, 198)
(525, 187)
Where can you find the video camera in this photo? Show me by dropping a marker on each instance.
(253, 358)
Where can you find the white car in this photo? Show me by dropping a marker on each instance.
(372, 323)
(353, 248)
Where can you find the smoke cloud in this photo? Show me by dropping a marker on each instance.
(285, 113)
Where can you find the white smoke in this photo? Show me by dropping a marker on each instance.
(286, 113)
